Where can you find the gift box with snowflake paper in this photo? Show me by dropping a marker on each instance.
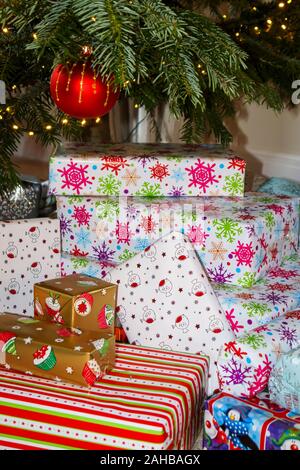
(233, 423)
(247, 308)
(147, 170)
(237, 239)
(30, 252)
(244, 365)
(78, 301)
(54, 351)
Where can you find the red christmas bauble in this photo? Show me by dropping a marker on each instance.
(78, 91)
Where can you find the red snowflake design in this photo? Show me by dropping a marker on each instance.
(123, 232)
(74, 176)
(231, 348)
(81, 215)
(148, 224)
(295, 314)
(262, 328)
(245, 296)
(276, 208)
(115, 164)
(274, 252)
(77, 252)
(159, 171)
(202, 175)
(244, 254)
(283, 273)
(247, 217)
(286, 229)
(237, 163)
(197, 235)
(262, 242)
(234, 324)
(279, 287)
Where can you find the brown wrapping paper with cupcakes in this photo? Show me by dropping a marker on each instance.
(77, 301)
(54, 351)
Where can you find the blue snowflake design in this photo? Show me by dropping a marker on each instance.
(65, 225)
(83, 238)
(141, 244)
(259, 258)
(178, 175)
(274, 298)
(103, 252)
(52, 175)
(92, 271)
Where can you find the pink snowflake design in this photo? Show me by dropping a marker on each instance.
(123, 232)
(220, 274)
(65, 225)
(280, 287)
(77, 252)
(75, 177)
(148, 224)
(244, 254)
(283, 273)
(237, 163)
(202, 175)
(103, 253)
(197, 235)
(114, 163)
(260, 329)
(276, 208)
(81, 215)
(235, 373)
(159, 171)
(261, 378)
(288, 335)
(231, 320)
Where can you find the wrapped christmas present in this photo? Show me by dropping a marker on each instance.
(165, 300)
(284, 382)
(238, 239)
(245, 365)
(147, 170)
(53, 351)
(79, 301)
(247, 308)
(30, 253)
(233, 423)
(151, 400)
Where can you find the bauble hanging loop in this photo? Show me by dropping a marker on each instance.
(80, 92)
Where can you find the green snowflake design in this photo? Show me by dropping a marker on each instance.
(227, 229)
(79, 262)
(149, 190)
(75, 199)
(254, 340)
(175, 157)
(107, 209)
(265, 200)
(248, 280)
(256, 309)
(270, 219)
(293, 257)
(126, 255)
(234, 185)
(109, 185)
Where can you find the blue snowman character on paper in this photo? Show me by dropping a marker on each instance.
(237, 425)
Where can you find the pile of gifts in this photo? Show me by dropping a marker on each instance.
(201, 269)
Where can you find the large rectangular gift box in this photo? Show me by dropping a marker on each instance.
(30, 252)
(51, 351)
(249, 424)
(79, 301)
(147, 170)
(151, 400)
(247, 308)
(237, 239)
(244, 365)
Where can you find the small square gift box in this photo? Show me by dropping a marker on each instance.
(233, 423)
(146, 170)
(54, 351)
(30, 253)
(79, 301)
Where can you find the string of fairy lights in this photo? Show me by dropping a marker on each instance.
(266, 26)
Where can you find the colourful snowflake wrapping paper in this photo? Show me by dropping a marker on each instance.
(147, 170)
(52, 351)
(284, 382)
(30, 252)
(237, 239)
(249, 424)
(151, 400)
(82, 302)
(165, 300)
(247, 308)
(245, 364)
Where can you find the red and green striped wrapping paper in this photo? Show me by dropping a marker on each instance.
(152, 400)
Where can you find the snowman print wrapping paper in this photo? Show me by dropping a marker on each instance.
(167, 302)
